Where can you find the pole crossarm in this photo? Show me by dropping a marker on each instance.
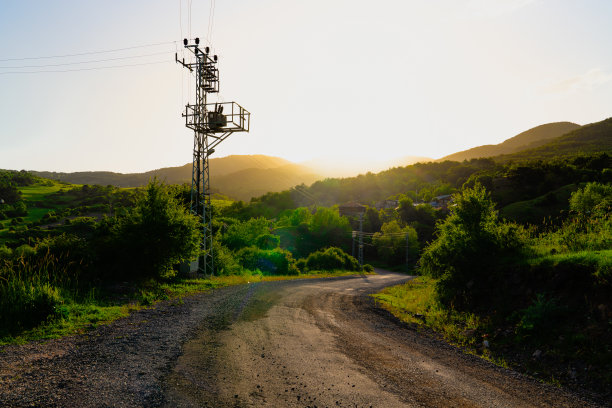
(211, 123)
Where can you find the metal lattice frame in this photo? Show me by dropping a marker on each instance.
(211, 126)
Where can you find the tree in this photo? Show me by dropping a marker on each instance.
(594, 198)
(470, 245)
(151, 237)
(393, 241)
(9, 193)
(244, 234)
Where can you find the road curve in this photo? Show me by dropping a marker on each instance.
(301, 343)
(323, 344)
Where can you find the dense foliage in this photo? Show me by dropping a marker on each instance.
(331, 258)
(150, 238)
(471, 244)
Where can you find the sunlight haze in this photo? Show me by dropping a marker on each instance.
(357, 81)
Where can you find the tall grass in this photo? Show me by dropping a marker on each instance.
(31, 290)
(414, 302)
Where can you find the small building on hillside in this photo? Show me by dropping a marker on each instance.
(352, 208)
(386, 204)
(441, 202)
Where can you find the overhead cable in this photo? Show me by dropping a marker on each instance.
(85, 69)
(85, 62)
(88, 52)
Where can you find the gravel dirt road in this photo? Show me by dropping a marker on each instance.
(303, 343)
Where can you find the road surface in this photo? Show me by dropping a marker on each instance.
(300, 343)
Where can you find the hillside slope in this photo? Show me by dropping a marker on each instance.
(593, 138)
(253, 182)
(531, 138)
(237, 176)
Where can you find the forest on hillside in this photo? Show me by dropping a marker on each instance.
(505, 251)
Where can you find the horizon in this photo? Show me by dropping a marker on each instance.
(364, 82)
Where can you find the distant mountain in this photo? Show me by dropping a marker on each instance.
(593, 138)
(240, 177)
(335, 167)
(253, 182)
(531, 138)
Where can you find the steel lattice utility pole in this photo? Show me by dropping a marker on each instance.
(211, 123)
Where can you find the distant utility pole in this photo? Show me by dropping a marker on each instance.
(355, 209)
(211, 123)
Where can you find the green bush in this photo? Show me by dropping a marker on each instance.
(5, 253)
(269, 261)
(24, 251)
(471, 245)
(330, 259)
(392, 240)
(150, 238)
(267, 241)
(540, 318)
(225, 261)
(368, 268)
(593, 199)
(301, 264)
(19, 209)
(244, 234)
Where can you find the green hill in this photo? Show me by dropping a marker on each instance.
(531, 138)
(237, 176)
(254, 182)
(593, 138)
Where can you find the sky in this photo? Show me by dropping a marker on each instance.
(347, 80)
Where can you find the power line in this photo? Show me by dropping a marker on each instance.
(88, 52)
(85, 69)
(86, 62)
(211, 21)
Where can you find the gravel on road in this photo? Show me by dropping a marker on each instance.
(316, 342)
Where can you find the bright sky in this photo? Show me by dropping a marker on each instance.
(350, 79)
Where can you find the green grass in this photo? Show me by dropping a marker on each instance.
(535, 211)
(89, 311)
(38, 192)
(414, 302)
(220, 204)
(79, 319)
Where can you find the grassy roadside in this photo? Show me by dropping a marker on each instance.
(413, 302)
(96, 308)
(549, 341)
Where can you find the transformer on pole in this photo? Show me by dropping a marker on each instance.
(211, 123)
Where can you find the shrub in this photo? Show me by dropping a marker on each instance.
(150, 238)
(267, 241)
(331, 258)
(540, 318)
(245, 234)
(19, 209)
(272, 261)
(471, 244)
(225, 262)
(392, 240)
(5, 253)
(368, 268)
(301, 264)
(24, 251)
(594, 198)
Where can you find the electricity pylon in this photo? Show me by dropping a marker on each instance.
(211, 123)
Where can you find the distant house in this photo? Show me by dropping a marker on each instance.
(352, 208)
(441, 202)
(386, 204)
